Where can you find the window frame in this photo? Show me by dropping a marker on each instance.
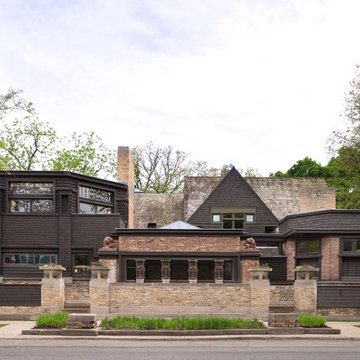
(30, 197)
(244, 212)
(94, 202)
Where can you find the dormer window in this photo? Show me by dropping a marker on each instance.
(232, 218)
(95, 201)
(31, 197)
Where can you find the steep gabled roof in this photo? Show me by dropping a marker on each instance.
(233, 191)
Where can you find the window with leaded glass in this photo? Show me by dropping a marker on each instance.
(95, 201)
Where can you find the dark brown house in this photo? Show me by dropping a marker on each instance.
(55, 217)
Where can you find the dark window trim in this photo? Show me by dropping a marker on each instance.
(110, 204)
(307, 248)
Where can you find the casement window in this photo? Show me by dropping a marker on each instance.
(31, 197)
(232, 218)
(30, 258)
(350, 259)
(95, 201)
(308, 247)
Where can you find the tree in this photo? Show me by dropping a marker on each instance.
(26, 144)
(306, 167)
(345, 148)
(162, 169)
(85, 154)
(12, 101)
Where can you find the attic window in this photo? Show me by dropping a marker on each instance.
(232, 218)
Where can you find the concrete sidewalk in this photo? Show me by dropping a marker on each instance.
(348, 332)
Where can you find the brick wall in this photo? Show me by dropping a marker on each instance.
(355, 311)
(19, 310)
(316, 198)
(330, 249)
(180, 243)
(245, 265)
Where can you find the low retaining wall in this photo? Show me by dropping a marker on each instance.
(183, 299)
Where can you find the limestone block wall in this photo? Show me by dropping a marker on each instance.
(180, 299)
(161, 209)
(281, 294)
(77, 292)
(330, 249)
(20, 310)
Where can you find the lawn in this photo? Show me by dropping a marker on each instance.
(182, 323)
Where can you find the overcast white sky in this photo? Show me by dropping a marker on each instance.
(256, 83)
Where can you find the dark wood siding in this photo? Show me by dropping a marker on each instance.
(338, 296)
(278, 265)
(29, 230)
(20, 295)
(90, 230)
(22, 272)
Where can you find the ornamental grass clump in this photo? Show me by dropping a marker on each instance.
(182, 323)
(311, 321)
(57, 320)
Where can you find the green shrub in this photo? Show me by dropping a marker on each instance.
(311, 321)
(57, 320)
(194, 323)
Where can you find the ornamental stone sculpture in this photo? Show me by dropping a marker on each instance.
(250, 244)
(109, 244)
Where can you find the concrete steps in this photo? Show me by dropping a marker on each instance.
(76, 307)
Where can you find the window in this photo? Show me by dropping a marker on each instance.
(232, 218)
(179, 270)
(130, 270)
(152, 270)
(81, 263)
(31, 197)
(308, 247)
(206, 270)
(95, 201)
(351, 245)
(30, 258)
(228, 270)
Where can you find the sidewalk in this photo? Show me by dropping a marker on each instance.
(348, 332)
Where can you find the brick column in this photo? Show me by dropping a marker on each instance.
(247, 260)
(52, 289)
(99, 290)
(193, 270)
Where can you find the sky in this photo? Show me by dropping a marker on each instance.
(254, 83)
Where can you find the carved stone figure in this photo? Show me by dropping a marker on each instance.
(250, 243)
(165, 270)
(109, 244)
(193, 270)
(219, 271)
(140, 270)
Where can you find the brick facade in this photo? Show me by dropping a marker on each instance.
(181, 243)
(330, 249)
(289, 251)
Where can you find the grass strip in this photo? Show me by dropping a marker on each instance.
(57, 320)
(311, 321)
(182, 323)
(2, 325)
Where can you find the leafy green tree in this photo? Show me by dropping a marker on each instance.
(85, 154)
(162, 169)
(13, 101)
(306, 167)
(26, 144)
(345, 148)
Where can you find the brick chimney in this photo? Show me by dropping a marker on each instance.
(126, 174)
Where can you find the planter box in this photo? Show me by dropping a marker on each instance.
(259, 273)
(52, 272)
(305, 273)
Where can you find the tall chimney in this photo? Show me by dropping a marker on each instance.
(126, 173)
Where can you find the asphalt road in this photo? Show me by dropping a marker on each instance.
(174, 350)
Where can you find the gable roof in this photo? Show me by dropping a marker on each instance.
(233, 191)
